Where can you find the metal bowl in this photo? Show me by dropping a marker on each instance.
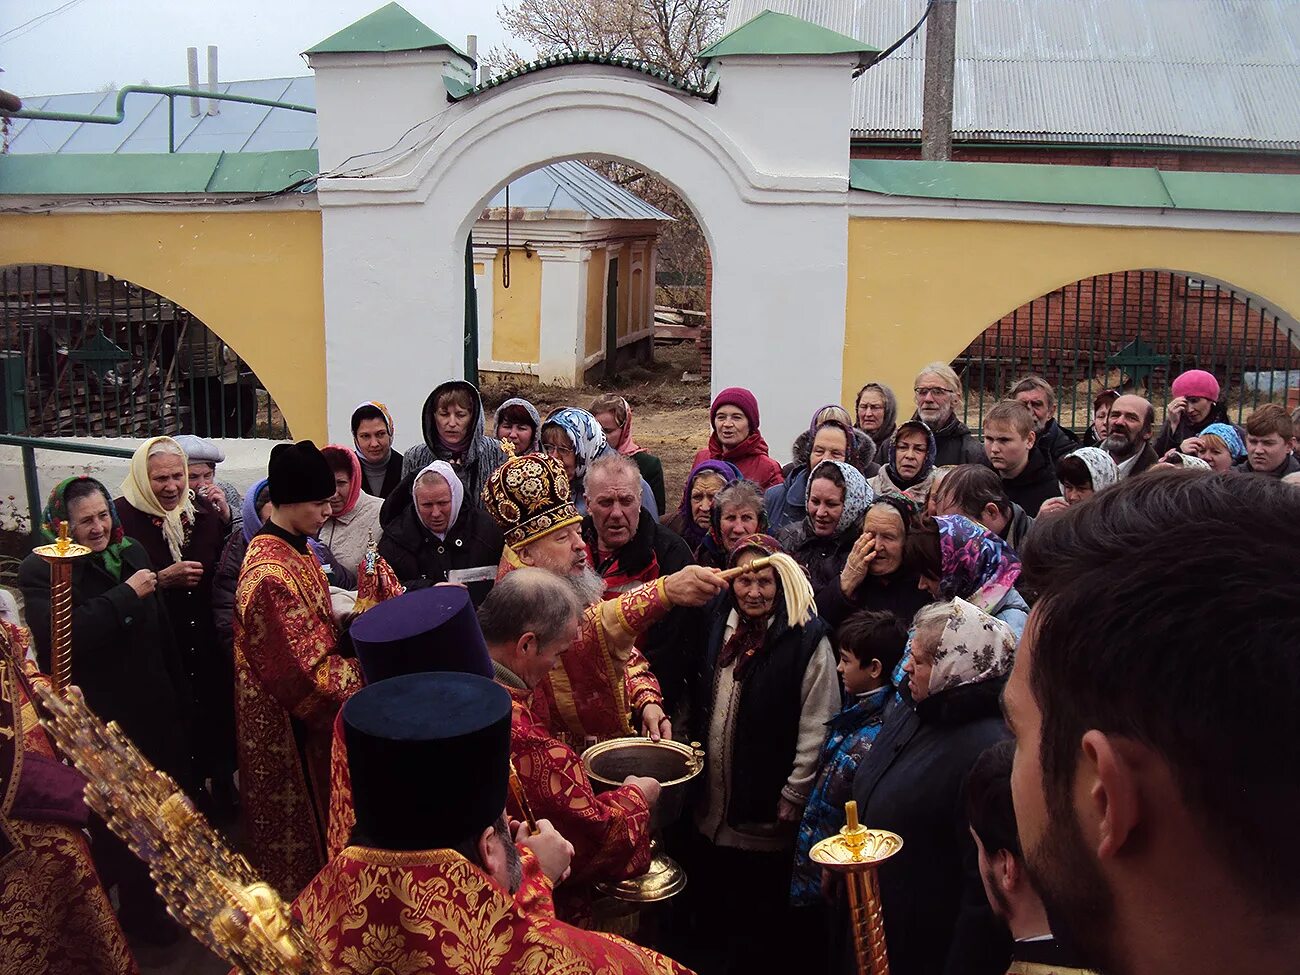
(671, 763)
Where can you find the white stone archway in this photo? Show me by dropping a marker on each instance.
(764, 166)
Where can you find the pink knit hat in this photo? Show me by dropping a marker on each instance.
(1197, 382)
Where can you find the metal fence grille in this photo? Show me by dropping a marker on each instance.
(95, 356)
(1135, 331)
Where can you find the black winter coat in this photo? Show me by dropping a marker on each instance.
(1034, 485)
(822, 558)
(123, 655)
(1055, 441)
(392, 476)
(937, 919)
(899, 594)
(473, 545)
(955, 444)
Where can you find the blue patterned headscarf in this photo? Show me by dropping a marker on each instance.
(584, 433)
(1229, 435)
(858, 495)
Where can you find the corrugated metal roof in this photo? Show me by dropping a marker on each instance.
(1144, 72)
(569, 186)
(242, 128)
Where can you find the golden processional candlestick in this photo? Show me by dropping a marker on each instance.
(209, 889)
(857, 852)
(60, 556)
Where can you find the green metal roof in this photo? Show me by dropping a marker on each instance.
(1116, 186)
(390, 28)
(773, 33)
(457, 91)
(147, 173)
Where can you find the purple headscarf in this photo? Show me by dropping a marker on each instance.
(977, 565)
(692, 533)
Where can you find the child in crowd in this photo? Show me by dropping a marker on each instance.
(870, 647)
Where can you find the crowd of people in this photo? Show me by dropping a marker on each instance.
(1047, 660)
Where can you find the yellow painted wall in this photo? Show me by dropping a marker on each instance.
(253, 278)
(595, 321)
(517, 310)
(624, 288)
(922, 290)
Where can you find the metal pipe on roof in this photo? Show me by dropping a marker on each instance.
(214, 106)
(192, 65)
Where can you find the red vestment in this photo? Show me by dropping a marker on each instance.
(55, 918)
(432, 912)
(288, 674)
(603, 677)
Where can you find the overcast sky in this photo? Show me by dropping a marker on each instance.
(94, 42)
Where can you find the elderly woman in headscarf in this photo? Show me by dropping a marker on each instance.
(692, 520)
(614, 414)
(874, 575)
(830, 437)
(431, 535)
(735, 437)
(737, 512)
(123, 660)
(254, 510)
(765, 688)
(876, 413)
(354, 516)
(574, 438)
(838, 497)
(204, 456)
(910, 782)
(909, 464)
(1220, 445)
(1082, 473)
(372, 436)
(518, 421)
(454, 427)
(183, 536)
(956, 558)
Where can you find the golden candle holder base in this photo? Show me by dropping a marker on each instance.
(857, 852)
(60, 556)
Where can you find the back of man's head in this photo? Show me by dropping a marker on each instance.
(989, 808)
(527, 601)
(1200, 666)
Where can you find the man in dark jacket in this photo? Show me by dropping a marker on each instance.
(1270, 443)
(1028, 476)
(938, 391)
(628, 548)
(1052, 439)
(1129, 441)
(432, 535)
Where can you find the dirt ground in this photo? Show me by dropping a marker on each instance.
(670, 416)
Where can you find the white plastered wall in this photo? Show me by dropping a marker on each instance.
(775, 219)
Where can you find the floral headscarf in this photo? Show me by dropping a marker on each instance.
(388, 417)
(1229, 435)
(977, 565)
(584, 433)
(354, 468)
(858, 495)
(692, 533)
(1101, 467)
(973, 647)
(56, 510)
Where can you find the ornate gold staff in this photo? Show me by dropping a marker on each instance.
(60, 556)
(857, 852)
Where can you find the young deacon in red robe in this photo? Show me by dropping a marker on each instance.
(290, 679)
(602, 679)
(432, 886)
(54, 915)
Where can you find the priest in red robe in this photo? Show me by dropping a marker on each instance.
(290, 677)
(602, 680)
(433, 886)
(55, 917)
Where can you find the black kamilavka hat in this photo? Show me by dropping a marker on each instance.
(298, 472)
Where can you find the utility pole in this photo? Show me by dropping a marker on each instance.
(940, 63)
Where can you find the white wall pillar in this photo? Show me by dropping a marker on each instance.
(564, 301)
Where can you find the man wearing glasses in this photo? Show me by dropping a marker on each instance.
(938, 391)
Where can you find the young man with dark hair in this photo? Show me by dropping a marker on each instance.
(1027, 474)
(1054, 440)
(1270, 443)
(1007, 886)
(1157, 766)
(978, 493)
(1129, 440)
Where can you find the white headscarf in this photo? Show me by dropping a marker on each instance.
(1101, 467)
(448, 474)
(138, 492)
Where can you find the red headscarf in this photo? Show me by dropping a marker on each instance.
(354, 465)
